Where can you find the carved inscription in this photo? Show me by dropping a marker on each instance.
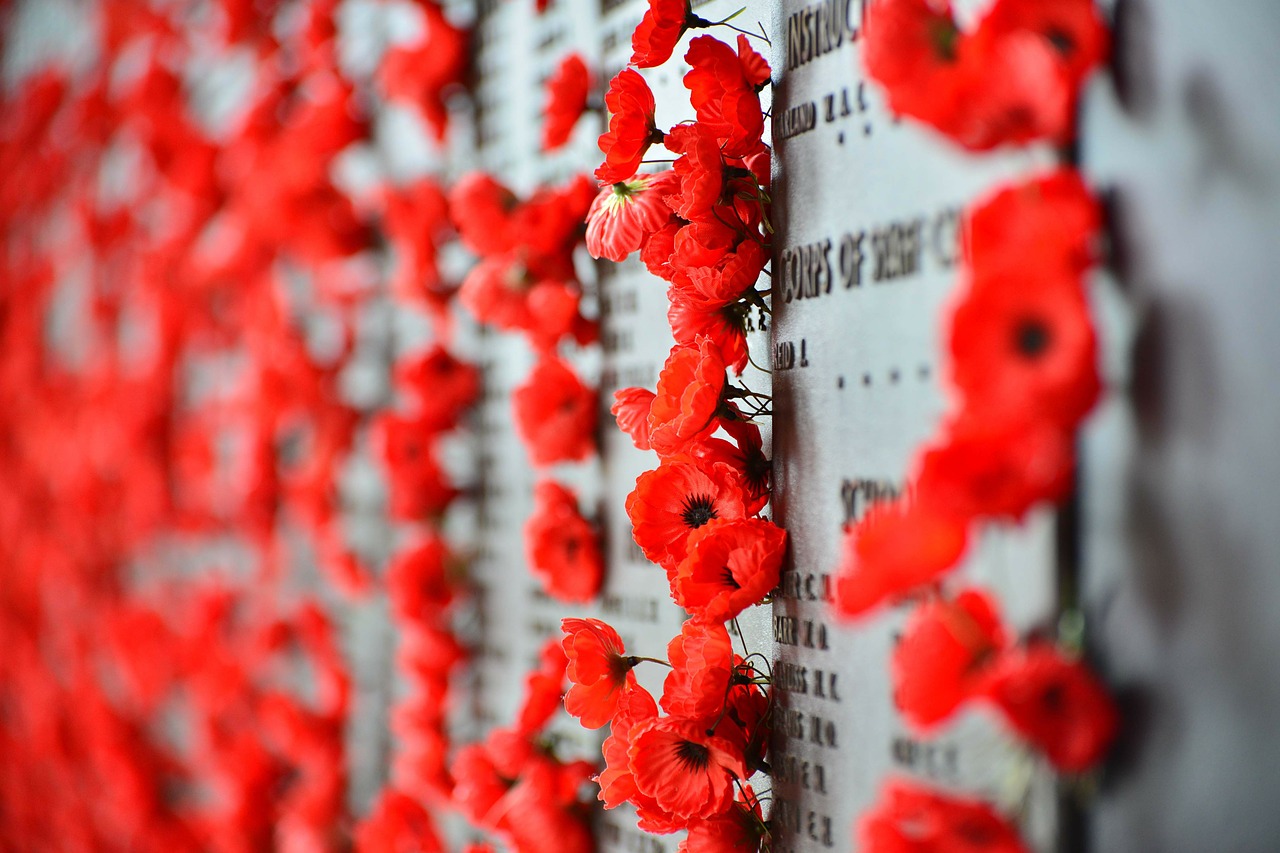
(817, 30)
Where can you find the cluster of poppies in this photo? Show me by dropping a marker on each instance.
(1022, 364)
(685, 760)
(179, 297)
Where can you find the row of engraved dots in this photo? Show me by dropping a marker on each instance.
(895, 376)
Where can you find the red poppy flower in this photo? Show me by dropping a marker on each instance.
(946, 649)
(631, 127)
(625, 215)
(562, 547)
(478, 784)
(739, 830)
(701, 657)
(553, 315)
(989, 467)
(555, 414)
(656, 252)
(542, 822)
(1013, 92)
(895, 548)
(419, 485)
(416, 219)
(707, 301)
(1073, 28)
(543, 689)
(676, 499)
(687, 404)
(496, 292)
(397, 823)
(1055, 703)
(631, 409)
(417, 584)
(724, 88)
(664, 22)
(704, 244)
(700, 169)
(422, 73)
(598, 671)
(745, 455)
(482, 209)
(911, 818)
(617, 783)
(566, 101)
(442, 386)
(1052, 221)
(911, 48)
(687, 772)
(731, 565)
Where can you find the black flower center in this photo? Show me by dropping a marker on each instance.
(1061, 40)
(1054, 698)
(698, 510)
(1032, 338)
(692, 756)
(728, 578)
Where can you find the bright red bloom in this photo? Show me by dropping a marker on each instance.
(543, 689)
(745, 455)
(1056, 703)
(555, 414)
(739, 830)
(946, 648)
(617, 783)
(1052, 221)
(626, 214)
(631, 409)
(1022, 344)
(442, 386)
(700, 169)
(731, 565)
(398, 823)
(686, 771)
(911, 818)
(416, 219)
(995, 467)
(422, 73)
(542, 819)
(417, 583)
(598, 670)
(895, 548)
(496, 292)
(724, 88)
(1073, 28)
(660, 30)
(567, 89)
(562, 547)
(478, 784)
(701, 659)
(1012, 92)
(911, 48)
(687, 403)
(631, 127)
(482, 208)
(677, 498)
(657, 251)
(419, 485)
(707, 301)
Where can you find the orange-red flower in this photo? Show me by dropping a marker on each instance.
(567, 89)
(482, 210)
(724, 88)
(555, 414)
(422, 73)
(739, 830)
(991, 467)
(892, 550)
(442, 386)
(664, 22)
(417, 582)
(562, 547)
(626, 214)
(911, 817)
(1056, 703)
(631, 127)
(730, 565)
(631, 409)
(543, 689)
(707, 301)
(677, 498)
(397, 822)
(598, 671)
(946, 649)
(700, 169)
(686, 771)
(701, 657)
(687, 403)
(1052, 221)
